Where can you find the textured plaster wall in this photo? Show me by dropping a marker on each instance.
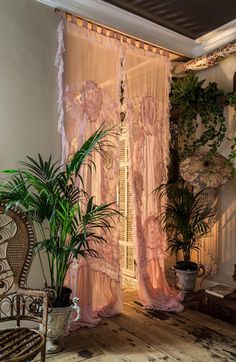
(28, 115)
(225, 239)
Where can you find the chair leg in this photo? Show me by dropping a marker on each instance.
(43, 353)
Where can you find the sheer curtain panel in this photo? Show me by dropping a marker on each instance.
(95, 67)
(147, 113)
(91, 98)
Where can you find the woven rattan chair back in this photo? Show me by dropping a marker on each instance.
(17, 302)
(16, 250)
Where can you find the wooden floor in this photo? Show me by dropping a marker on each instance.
(140, 336)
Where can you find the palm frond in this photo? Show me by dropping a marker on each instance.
(185, 217)
(57, 197)
(95, 143)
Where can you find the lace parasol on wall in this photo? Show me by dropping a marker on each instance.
(206, 171)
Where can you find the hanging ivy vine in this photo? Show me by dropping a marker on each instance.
(201, 120)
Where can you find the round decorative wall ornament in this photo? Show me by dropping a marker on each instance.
(206, 171)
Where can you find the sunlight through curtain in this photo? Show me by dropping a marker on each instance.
(91, 98)
(89, 95)
(147, 113)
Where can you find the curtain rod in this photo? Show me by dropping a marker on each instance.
(117, 34)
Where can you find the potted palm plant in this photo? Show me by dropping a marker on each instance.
(66, 216)
(185, 218)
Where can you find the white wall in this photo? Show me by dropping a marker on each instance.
(221, 73)
(28, 115)
(225, 241)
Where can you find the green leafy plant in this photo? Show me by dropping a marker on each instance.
(231, 99)
(67, 217)
(185, 218)
(200, 108)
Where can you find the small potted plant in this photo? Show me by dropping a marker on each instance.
(185, 218)
(66, 216)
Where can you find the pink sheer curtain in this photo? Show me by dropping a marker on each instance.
(91, 98)
(89, 94)
(147, 116)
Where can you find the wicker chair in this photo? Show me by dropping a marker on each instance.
(17, 302)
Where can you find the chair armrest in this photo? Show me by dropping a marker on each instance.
(35, 295)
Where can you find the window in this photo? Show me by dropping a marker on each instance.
(125, 207)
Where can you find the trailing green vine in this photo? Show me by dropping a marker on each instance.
(201, 119)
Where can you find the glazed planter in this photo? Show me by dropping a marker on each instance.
(186, 280)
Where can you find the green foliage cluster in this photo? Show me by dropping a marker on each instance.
(185, 218)
(203, 107)
(55, 200)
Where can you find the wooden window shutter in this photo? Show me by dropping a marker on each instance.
(125, 207)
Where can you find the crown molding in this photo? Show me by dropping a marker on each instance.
(124, 21)
(215, 39)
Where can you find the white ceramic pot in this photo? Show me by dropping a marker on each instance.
(186, 280)
(58, 322)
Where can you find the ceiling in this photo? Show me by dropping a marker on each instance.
(188, 28)
(192, 18)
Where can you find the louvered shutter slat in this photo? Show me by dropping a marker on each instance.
(125, 207)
